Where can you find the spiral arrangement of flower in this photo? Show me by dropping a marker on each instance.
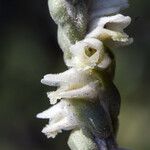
(86, 101)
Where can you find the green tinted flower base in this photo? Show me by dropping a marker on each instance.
(81, 140)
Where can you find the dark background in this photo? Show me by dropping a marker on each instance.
(29, 50)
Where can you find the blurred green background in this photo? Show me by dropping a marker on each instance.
(29, 50)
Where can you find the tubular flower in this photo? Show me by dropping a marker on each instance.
(86, 100)
(61, 117)
(89, 53)
(110, 30)
(73, 83)
(74, 114)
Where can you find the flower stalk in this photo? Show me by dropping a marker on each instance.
(86, 101)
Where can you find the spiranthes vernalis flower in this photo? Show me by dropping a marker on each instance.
(73, 83)
(75, 114)
(110, 30)
(86, 100)
(89, 53)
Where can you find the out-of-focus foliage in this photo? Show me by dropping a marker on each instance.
(29, 50)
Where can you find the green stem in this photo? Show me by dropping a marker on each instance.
(81, 140)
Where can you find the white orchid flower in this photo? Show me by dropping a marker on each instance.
(61, 117)
(69, 115)
(88, 92)
(110, 30)
(73, 83)
(73, 76)
(89, 53)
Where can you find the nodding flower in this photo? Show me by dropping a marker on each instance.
(89, 53)
(110, 30)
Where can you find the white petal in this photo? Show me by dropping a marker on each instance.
(57, 79)
(105, 62)
(88, 92)
(61, 117)
(51, 130)
(117, 22)
(50, 134)
(111, 29)
(72, 76)
(52, 112)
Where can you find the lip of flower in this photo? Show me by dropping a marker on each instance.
(111, 29)
(89, 92)
(61, 117)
